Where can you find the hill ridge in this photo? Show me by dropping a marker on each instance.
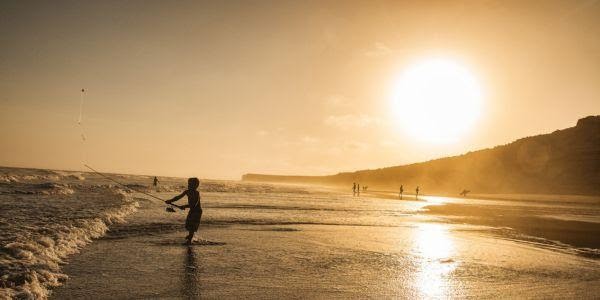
(565, 161)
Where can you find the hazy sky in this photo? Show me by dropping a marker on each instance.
(216, 89)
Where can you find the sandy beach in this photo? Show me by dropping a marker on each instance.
(286, 245)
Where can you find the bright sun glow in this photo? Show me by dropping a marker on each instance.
(437, 100)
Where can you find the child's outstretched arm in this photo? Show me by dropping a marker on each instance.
(176, 197)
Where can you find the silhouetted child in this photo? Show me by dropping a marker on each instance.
(193, 218)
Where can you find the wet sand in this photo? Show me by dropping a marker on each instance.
(583, 234)
(419, 257)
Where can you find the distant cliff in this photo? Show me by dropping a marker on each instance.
(566, 162)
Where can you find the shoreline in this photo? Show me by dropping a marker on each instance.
(417, 258)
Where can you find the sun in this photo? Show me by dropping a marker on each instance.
(437, 100)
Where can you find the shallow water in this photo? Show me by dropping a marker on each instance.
(46, 216)
(272, 241)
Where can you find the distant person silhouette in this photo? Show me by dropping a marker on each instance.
(195, 213)
(358, 189)
(401, 191)
(354, 189)
(155, 182)
(417, 194)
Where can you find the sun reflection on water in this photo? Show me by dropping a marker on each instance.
(434, 249)
(435, 199)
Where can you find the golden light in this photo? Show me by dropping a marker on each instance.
(437, 100)
(434, 248)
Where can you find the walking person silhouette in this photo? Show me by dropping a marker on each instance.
(155, 183)
(401, 191)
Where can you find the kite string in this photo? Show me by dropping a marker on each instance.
(84, 155)
(80, 106)
(80, 123)
(121, 184)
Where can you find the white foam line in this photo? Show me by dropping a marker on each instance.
(37, 263)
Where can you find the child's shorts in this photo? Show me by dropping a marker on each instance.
(192, 222)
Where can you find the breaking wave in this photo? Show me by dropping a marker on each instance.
(38, 231)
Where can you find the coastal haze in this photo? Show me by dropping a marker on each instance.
(345, 150)
(563, 162)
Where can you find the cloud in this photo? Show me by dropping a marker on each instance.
(337, 100)
(309, 139)
(355, 146)
(379, 50)
(351, 121)
(262, 133)
(343, 148)
(271, 132)
(305, 142)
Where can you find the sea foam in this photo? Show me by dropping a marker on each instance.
(42, 223)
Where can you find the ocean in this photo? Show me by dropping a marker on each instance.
(77, 235)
